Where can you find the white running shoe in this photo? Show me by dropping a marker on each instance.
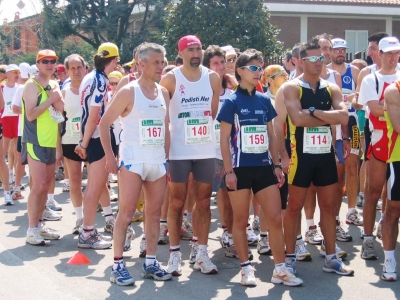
(8, 199)
(224, 239)
(33, 237)
(142, 247)
(46, 233)
(389, 270)
(263, 246)
(204, 264)
(354, 218)
(301, 252)
(193, 252)
(379, 204)
(339, 252)
(66, 187)
(312, 236)
(174, 263)
(286, 276)
(51, 215)
(130, 235)
(109, 227)
(247, 276)
(256, 224)
(113, 195)
(163, 238)
(78, 226)
(379, 231)
(53, 205)
(251, 236)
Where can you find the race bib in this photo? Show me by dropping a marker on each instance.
(56, 115)
(75, 127)
(345, 94)
(197, 131)
(217, 131)
(254, 139)
(8, 108)
(152, 132)
(317, 140)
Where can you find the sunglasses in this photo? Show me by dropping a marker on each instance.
(253, 68)
(314, 59)
(48, 61)
(3, 71)
(113, 83)
(231, 60)
(340, 50)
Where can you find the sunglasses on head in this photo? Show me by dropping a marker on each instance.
(231, 60)
(314, 59)
(253, 68)
(113, 83)
(48, 61)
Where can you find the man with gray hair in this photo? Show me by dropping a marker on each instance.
(142, 105)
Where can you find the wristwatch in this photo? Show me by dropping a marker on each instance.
(311, 109)
(346, 139)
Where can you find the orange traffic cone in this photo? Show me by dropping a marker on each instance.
(79, 259)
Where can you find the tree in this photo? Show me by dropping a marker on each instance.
(98, 21)
(242, 24)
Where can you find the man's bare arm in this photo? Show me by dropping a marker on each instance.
(392, 103)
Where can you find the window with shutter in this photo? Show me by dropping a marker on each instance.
(357, 40)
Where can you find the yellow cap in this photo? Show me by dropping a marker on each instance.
(116, 74)
(107, 50)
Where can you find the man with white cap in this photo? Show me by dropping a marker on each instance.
(230, 59)
(10, 122)
(372, 95)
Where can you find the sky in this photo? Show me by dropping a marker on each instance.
(8, 8)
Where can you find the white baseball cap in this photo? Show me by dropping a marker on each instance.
(33, 70)
(24, 68)
(229, 50)
(389, 44)
(12, 67)
(339, 43)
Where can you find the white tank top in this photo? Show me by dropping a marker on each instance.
(8, 94)
(191, 119)
(143, 134)
(217, 125)
(73, 108)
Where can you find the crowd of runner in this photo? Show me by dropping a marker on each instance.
(270, 140)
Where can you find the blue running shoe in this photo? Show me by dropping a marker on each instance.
(121, 276)
(156, 272)
(335, 265)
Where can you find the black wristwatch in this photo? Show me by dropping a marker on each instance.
(311, 109)
(278, 166)
(346, 139)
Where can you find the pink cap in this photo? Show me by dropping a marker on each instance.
(187, 41)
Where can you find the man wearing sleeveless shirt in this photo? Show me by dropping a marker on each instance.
(372, 95)
(144, 141)
(194, 92)
(309, 100)
(39, 141)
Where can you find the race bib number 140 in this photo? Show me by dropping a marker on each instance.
(197, 131)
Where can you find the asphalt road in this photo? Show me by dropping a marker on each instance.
(28, 272)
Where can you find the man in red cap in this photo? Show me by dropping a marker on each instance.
(61, 75)
(194, 92)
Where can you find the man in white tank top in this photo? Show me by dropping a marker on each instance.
(194, 92)
(142, 105)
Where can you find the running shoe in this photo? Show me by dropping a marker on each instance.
(186, 235)
(174, 263)
(8, 199)
(84, 172)
(389, 270)
(66, 187)
(46, 233)
(204, 264)
(78, 226)
(230, 251)
(102, 236)
(130, 235)
(339, 252)
(93, 241)
(53, 205)
(342, 235)
(109, 227)
(142, 248)
(290, 262)
(112, 178)
(99, 207)
(263, 246)
(251, 236)
(163, 238)
(137, 217)
(59, 173)
(379, 231)
(360, 201)
(312, 236)
(51, 215)
(256, 225)
(286, 276)
(121, 276)
(247, 276)
(193, 252)
(155, 272)
(113, 195)
(335, 265)
(354, 218)
(224, 239)
(16, 195)
(367, 250)
(33, 237)
(301, 252)
(379, 204)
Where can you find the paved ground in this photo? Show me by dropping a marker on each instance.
(43, 273)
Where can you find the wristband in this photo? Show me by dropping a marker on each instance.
(80, 144)
(278, 166)
(346, 139)
(229, 172)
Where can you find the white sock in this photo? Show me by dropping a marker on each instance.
(78, 212)
(189, 215)
(66, 181)
(150, 260)
(230, 239)
(278, 267)
(337, 218)
(299, 237)
(107, 210)
(381, 218)
(389, 255)
(351, 210)
(310, 222)
(257, 218)
(50, 197)
(202, 248)
(361, 194)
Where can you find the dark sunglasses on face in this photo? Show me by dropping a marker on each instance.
(47, 61)
(314, 59)
(252, 68)
(113, 83)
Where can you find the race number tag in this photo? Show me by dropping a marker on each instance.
(75, 126)
(254, 139)
(56, 115)
(317, 140)
(152, 132)
(8, 109)
(217, 131)
(197, 131)
(345, 94)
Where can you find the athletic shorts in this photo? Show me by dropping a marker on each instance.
(147, 171)
(69, 152)
(10, 127)
(319, 169)
(255, 178)
(361, 121)
(203, 170)
(19, 144)
(95, 150)
(43, 154)
(284, 191)
(367, 138)
(393, 180)
(219, 174)
(354, 134)
(339, 151)
(379, 145)
(1, 131)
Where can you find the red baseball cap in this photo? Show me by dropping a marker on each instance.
(60, 69)
(187, 41)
